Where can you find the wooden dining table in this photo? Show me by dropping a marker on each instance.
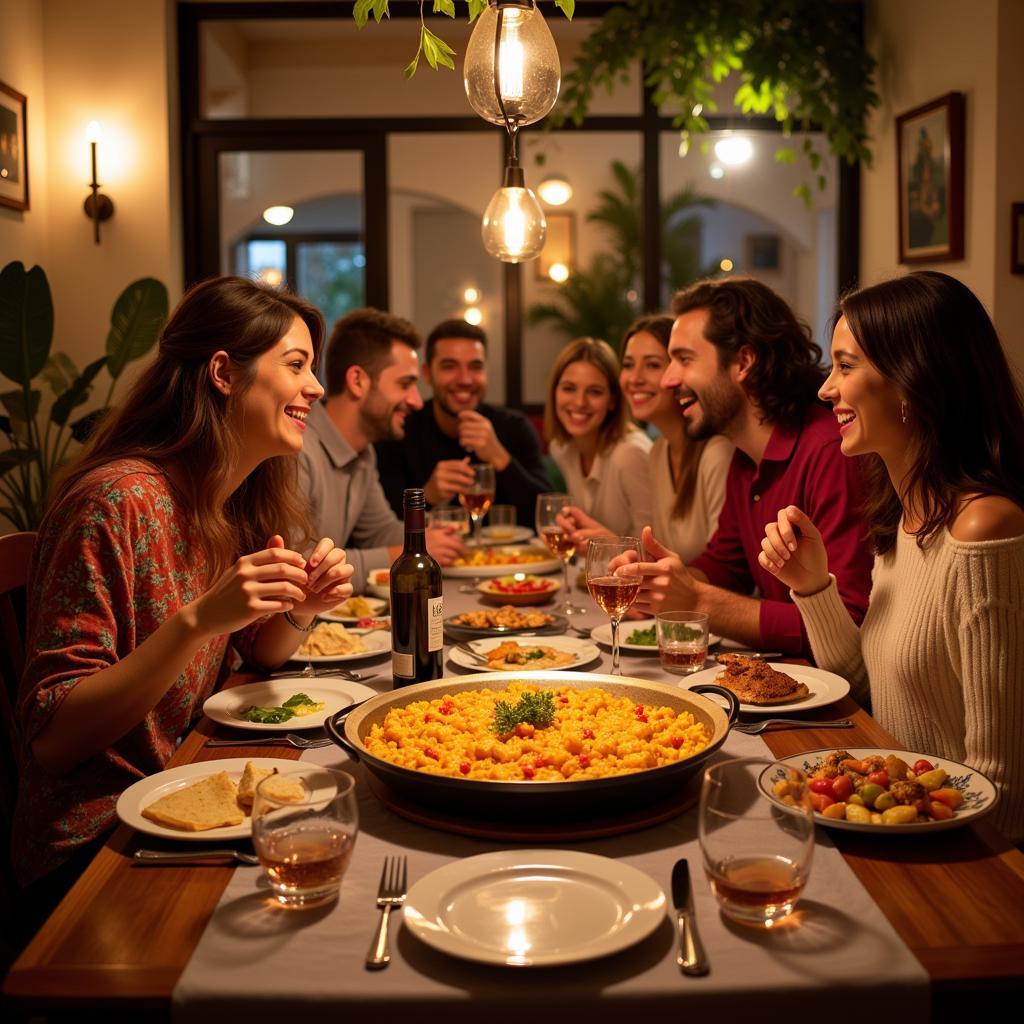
(119, 942)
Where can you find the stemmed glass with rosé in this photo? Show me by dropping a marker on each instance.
(614, 590)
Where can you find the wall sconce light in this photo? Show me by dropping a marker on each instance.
(512, 76)
(98, 207)
(278, 215)
(555, 190)
(734, 150)
(558, 259)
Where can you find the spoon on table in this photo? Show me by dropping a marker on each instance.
(156, 858)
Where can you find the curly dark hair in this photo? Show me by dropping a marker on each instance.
(787, 371)
(930, 336)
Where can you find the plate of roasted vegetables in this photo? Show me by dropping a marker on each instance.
(284, 704)
(874, 789)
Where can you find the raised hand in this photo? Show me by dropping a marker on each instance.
(328, 574)
(582, 528)
(792, 550)
(450, 477)
(476, 435)
(667, 584)
(444, 544)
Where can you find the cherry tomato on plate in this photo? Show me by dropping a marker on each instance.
(880, 778)
(923, 766)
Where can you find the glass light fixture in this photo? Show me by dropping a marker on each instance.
(514, 227)
(555, 190)
(473, 315)
(734, 149)
(471, 295)
(511, 71)
(278, 215)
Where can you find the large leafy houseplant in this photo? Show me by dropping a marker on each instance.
(38, 444)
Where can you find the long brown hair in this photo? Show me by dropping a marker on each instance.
(787, 371)
(174, 416)
(660, 328)
(600, 354)
(930, 336)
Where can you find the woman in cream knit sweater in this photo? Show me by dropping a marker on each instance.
(922, 389)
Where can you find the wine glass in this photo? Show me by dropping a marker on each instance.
(304, 826)
(756, 830)
(613, 590)
(478, 497)
(549, 507)
(453, 517)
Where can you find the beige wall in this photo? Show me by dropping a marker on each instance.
(925, 49)
(107, 60)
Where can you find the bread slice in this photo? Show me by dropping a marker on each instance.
(211, 802)
(251, 778)
(284, 789)
(754, 681)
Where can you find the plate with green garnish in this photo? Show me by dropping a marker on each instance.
(284, 704)
(521, 654)
(638, 635)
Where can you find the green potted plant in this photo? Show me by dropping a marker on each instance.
(40, 444)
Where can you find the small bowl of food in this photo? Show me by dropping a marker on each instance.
(378, 583)
(520, 588)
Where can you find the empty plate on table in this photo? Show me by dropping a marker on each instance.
(582, 652)
(824, 688)
(603, 635)
(228, 706)
(534, 908)
(342, 613)
(980, 795)
(505, 534)
(144, 792)
(377, 642)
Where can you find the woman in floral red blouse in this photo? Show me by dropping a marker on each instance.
(162, 544)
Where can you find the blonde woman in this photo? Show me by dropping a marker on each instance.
(601, 455)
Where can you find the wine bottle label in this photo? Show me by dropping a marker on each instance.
(435, 616)
(403, 665)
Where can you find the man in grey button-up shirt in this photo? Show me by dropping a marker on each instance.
(372, 367)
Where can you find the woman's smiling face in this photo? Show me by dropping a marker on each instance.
(643, 365)
(583, 399)
(866, 404)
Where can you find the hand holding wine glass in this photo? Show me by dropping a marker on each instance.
(614, 590)
(478, 497)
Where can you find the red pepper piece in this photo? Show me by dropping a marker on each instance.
(432, 753)
(464, 767)
(588, 734)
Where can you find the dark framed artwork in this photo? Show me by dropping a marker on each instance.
(763, 252)
(1017, 238)
(930, 180)
(13, 149)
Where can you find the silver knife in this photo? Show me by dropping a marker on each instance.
(691, 959)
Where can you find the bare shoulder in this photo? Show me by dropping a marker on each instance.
(988, 517)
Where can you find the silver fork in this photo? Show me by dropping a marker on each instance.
(475, 655)
(157, 857)
(390, 894)
(352, 677)
(290, 739)
(753, 728)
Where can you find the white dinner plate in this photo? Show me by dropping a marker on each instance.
(584, 651)
(980, 795)
(548, 564)
(603, 635)
(534, 908)
(825, 688)
(145, 791)
(506, 534)
(377, 606)
(377, 641)
(227, 706)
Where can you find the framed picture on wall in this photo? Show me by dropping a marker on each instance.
(762, 252)
(13, 149)
(556, 259)
(930, 180)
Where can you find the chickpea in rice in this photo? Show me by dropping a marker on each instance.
(594, 735)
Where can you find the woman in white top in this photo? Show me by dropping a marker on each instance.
(686, 478)
(601, 455)
(921, 388)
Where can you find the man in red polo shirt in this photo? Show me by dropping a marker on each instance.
(745, 367)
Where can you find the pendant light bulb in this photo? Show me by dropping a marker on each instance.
(514, 228)
(528, 73)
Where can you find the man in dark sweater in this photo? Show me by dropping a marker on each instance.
(456, 427)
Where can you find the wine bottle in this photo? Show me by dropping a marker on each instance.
(417, 617)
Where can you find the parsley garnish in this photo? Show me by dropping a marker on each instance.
(538, 709)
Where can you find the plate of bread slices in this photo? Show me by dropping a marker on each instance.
(768, 688)
(207, 801)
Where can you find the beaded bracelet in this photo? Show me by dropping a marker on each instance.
(302, 629)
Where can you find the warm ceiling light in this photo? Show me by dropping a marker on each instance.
(734, 149)
(522, 85)
(473, 316)
(278, 215)
(471, 295)
(271, 276)
(555, 190)
(716, 171)
(514, 228)
(726, 265)
(558, 272)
